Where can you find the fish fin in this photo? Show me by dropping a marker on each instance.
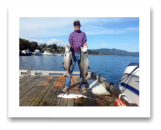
(63, 62)
(88, 67)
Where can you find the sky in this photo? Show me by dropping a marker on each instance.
(101, 32)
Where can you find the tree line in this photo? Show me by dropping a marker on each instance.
(53, 48)
(32, 46)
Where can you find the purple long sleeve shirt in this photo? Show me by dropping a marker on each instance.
(77, 40)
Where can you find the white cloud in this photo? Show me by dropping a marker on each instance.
(49, 42)
(63, 26)
(96, 30)
(103, 45)
(132, 28)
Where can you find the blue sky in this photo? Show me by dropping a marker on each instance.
(102, 32)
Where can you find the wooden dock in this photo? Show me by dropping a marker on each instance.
(40, 90)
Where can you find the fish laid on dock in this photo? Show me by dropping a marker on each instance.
(67, 61)
(72, 95)
(84, 65)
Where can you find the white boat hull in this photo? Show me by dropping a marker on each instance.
(130, 87)
(38, 54)
(48, 53)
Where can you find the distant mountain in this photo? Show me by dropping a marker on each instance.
(116, 52)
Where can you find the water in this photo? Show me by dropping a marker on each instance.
(109, 67)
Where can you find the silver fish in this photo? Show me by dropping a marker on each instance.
(72, 95)
(84, 65)
(67, 61)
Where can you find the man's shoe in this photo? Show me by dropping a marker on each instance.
(65, 89)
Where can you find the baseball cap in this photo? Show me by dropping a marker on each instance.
(76, 21)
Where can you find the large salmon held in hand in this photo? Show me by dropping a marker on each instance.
(84, 65)
(67, 61)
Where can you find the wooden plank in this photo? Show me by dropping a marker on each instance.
(30, 95)
(26, 81)
(86, 102)
(56, 99)
(23, 90)
(78, 103)
(53, 99)
(70, 102)
(48, 98)
(57, 83)
(47, 81)
(47, 84)
(35, 91)
(63, 102)
(43, 102)
(23, 78)
(29, 89)
(62, 83)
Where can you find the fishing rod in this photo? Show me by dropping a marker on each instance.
(127, 76)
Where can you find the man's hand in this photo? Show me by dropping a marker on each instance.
(70, 46)
(85, 44)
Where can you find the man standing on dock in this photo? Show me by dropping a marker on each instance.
(77, 39)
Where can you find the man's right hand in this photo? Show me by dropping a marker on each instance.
(70, 46)
(85, 44)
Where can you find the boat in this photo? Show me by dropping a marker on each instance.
(36, 52)
(59, 54)
(26, 53)
(47, 53)
(129, 85)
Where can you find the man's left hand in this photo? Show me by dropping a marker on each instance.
(85, 44)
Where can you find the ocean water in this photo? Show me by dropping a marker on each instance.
(109, 67)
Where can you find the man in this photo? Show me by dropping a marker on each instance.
(77, 39)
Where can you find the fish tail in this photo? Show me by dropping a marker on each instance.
(84, 82)
(67, 75)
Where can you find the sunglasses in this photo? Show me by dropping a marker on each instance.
(76, 24)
